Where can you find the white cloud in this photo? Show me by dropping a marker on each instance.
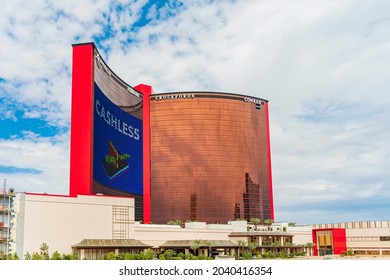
(50, 157)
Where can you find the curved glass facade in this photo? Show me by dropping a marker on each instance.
(117, 137)
(210, 158)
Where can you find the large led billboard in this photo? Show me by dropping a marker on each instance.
(117, 146)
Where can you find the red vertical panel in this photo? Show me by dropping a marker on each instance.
(339, 241)
(81, 134)
(146, 91)
(314, 235)
(269, 164)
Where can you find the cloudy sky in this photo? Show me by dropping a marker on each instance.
(324, 66)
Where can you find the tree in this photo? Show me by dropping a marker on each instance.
(209, 244)
(252, 246)
(149, 254)
(268, 222)
(255, 221)
(195, 245)
(176, 222)
(13, 256)
(310, 246)
(56, 256)
(44, 251)
(36, 256)
(72, 256)
(241, 244)
(167, 255)
(27, 256)
(110, 256)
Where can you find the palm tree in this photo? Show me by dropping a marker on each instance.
(252, 246)
(268, 222)
(310, 246)
(255, 221)
(241, 244)
(195, 245)
(209, 244)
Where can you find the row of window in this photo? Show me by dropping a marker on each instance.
(368, 238)
(356, 225)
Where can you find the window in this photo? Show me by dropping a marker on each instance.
(384, 238)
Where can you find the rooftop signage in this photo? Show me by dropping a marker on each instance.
(174, 96)
(252, 100)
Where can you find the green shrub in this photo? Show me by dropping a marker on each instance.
(13, 256)
(269, 255)
(56, 256)
(282, 255)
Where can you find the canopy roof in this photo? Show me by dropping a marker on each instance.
(111, 243)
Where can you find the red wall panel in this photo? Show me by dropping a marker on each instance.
(269, 163)
(339, 241)
(146, 91)
(314, 236)
(81, 120)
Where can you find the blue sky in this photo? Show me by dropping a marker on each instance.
(323, 65)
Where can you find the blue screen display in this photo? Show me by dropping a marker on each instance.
(117, 146)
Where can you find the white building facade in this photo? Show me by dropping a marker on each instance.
(62, 222)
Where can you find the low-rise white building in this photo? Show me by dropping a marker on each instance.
(97, 223)
(62, 221)
(366, 237)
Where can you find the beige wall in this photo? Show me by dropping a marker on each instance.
(61, 221)
(302, 235)
(368, 238)
(156, 236)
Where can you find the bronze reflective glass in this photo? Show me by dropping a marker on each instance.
(209, 158)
